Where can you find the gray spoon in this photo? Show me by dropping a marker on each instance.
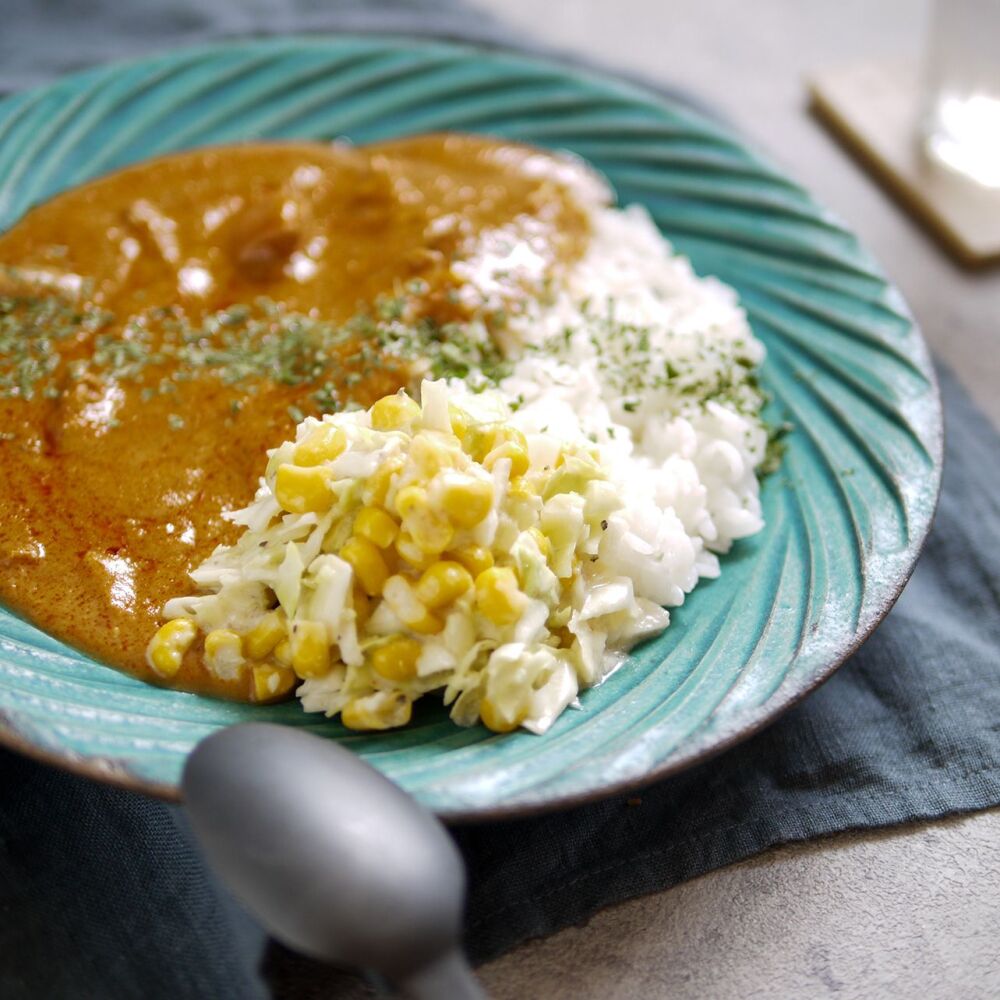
(333, 858)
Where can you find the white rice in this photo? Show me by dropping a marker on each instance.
(685, 462)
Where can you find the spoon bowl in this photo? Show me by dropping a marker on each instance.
(333, 858)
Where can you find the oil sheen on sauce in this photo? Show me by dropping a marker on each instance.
(114, 474)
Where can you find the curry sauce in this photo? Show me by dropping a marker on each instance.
(162, 327)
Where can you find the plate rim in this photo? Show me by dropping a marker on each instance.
(113, 771)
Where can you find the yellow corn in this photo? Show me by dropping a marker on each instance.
(368, 565)
(459, 421)
(519, 493)
(442, 583)
(428, 528)
(282, 653)
(475, 558)
(310, 649)
(468, 500)
(381, 710)
(431, 453)
(494, 719)
(411, 501)
(498, 597)
(224, 653)
(165, 652)
(544, 545)
(361, 604)
(431, 531)
(487, 439)
(403, 602)
(392, 412)
(322, 444)
(301, 490)
(411, 553)
(265, 635)
(377, 526)
(517, 454)
(271, 683)
(397, 659)
(377, 487)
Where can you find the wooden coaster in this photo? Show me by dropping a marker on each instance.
(872, 108)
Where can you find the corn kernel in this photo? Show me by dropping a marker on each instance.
(377, 526)
(310, 649)
(322, 444)
(368, 565)
(411, 553)
(397, 659)
(301, 490)
(381, 710)
(411, 501)
(486, 439)
(427, 527)
(165, 652)
(516, 453)
(361, 604)
(467, 500)
(494, 719)
(403, 602)
(519, 492)
(459, 421)
(392, 412)
(265, 635)
(377, 487)
(431, 531)
(430, 453)
(271, 683)
(442, 583)
(498, 597)
(282, 653)
(542, 541)
(224, 653)
(475, 558)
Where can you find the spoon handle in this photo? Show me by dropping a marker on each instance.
(446, 978)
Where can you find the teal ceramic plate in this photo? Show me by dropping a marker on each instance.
(846, 514)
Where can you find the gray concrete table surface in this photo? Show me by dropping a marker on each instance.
(911, 912)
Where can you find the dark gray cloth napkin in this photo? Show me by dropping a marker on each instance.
(103, 893)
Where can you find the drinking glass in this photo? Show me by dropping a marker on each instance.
(961, 119)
